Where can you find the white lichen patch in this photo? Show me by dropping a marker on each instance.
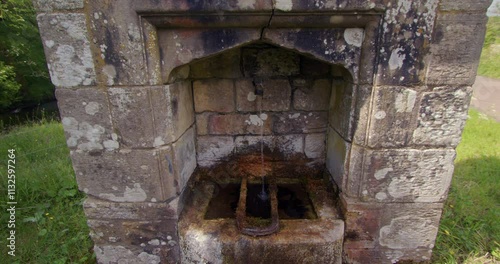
(69, 59)
(251, 96)
(83, 135)
(380, 115)
(405, 101)
(158, 142)
(381, 196)
(294, 116)
(92, 108)
(134, 194)
(354, 36)
(397, 59)
(285, 5)
(110, 72)
(381, 174)
(408, 232)
(246, 4)
(255, 120)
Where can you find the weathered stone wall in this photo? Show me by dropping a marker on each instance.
(131, 124)
(294, 104)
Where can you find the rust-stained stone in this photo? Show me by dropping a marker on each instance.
(277, 94)
(315, 98)
(86, 119)
(67, 49)
(214, 95)
(239, 124)
(460, 66)
(300, 122)
(223, 242)
(406, 175)
(441, 116)
(393, 118)
(390, 232)
(123, 176)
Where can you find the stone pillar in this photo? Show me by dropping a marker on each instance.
(394, 184)
(132, 149)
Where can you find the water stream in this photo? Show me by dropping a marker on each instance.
(263, 194)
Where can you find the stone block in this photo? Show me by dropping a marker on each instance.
(225, 65)
(341, 105)
(214, 95)
(314, 68)
(267, 62)
(119, 45)
(125, 175)
(314, 98)
(212, 149)
(407, 175)
(238, 124)
(184, 153)
(464, 5)
(173, 109)
(51, 5)
(390, 232)
(151, 116)
(337, 158)
(280, 147)
(393, 119)
(314, 146)
(103, 209)
(277, 95)
(86, 119)
(297, 122)
(464, 35)
(133, 116)
(333, 45)
(442, 116)
(67, 49)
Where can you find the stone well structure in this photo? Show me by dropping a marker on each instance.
(374, 92)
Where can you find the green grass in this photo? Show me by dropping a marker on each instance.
(470, 226)
(50, 223)
(490, 57)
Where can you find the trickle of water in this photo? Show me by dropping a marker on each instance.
(263, 194)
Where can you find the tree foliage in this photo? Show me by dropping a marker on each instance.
(21, 52)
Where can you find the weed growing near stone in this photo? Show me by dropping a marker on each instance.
(50, 224)
(470, 226)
